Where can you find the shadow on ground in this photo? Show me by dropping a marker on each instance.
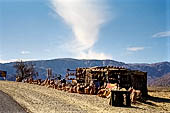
(158, 99)
(150, 99)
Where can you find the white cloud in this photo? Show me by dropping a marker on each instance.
(134, 49)
(85, 18)
(161, 34)
(14, 60)
(25, 52)
(93, 55)
(7, 61)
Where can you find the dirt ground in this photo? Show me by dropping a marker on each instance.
(40, 99)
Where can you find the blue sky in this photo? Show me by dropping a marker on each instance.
(132, 31)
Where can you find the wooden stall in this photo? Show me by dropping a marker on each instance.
(101, 76)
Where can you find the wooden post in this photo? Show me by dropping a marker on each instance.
(128, 101)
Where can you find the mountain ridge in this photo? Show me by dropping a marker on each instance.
(59, 66)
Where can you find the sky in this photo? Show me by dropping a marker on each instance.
(131, 31)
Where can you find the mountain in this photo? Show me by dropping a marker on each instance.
(161, 81)
(60, 66)
(154, 70)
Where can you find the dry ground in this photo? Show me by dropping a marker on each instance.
(40, 99)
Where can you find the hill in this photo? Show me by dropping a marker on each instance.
(59, 66)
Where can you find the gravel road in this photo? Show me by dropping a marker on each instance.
(40, 99)
(8, 105)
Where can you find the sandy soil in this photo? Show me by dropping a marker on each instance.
(40, 99)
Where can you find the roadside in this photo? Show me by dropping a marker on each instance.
(8, 105)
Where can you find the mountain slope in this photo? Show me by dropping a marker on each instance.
(162, 81)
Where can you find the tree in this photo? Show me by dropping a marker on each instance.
(24, 70)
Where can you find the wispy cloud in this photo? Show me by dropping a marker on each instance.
(85, 18)
(161, 34)
(25, 52)
(134, 49)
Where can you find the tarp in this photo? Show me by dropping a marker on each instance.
(110, 86)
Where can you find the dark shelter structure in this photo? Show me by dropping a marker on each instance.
(3, 74)
(101, 76)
